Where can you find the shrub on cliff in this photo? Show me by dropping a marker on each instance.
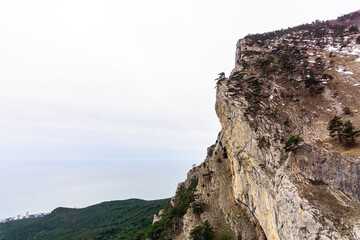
(197, 233)
(292, 143)
(339, 30)
(198, 207)
(353, 29)
(346, 110)
(202, 232)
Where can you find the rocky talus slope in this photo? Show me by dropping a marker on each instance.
(285, 83)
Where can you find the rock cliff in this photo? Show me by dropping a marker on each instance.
(285, 83)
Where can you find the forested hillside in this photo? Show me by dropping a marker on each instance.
(107, 220)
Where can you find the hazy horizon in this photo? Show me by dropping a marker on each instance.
(42, 186)
(120, 85)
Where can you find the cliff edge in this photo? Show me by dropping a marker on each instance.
(287, 83)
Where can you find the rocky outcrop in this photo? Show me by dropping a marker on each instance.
(285, 83)
(294, 197)
(214, 195)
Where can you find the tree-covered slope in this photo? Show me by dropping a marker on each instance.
(107, 220)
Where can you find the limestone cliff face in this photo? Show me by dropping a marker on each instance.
(228, 217)
(285, 83)
(298, 196)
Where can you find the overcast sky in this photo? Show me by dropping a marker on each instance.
(94, 79)
(126, 79)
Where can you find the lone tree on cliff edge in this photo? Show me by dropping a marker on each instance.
(221, 76)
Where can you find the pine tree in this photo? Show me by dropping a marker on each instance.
(335, 127)
(348, 133)
(202, 232)
(208, 231)
(343, 131)
(292, 143)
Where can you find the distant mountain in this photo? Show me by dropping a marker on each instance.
(107, 220)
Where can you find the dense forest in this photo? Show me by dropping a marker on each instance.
(107, 220)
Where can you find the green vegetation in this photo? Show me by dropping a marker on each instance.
(317, 29)
(208, 174)
(266, 65)
(344, 132)
(286, 122)
(304, 110)
(198, 207)
(162, 229)
(263, 143)
(335, 127)
(311, 80)
(327, 77)
(315, 91)
(197, 233)
(202, 232)
(108, 220)
(126, 220)
(289, 62)
(339, 30)
(292, 143)
(225, 237)
(349, 133)
(346, 110)
(252, 92)
(206, 232)
(286, 61)
(349, 16)
(354, 29)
